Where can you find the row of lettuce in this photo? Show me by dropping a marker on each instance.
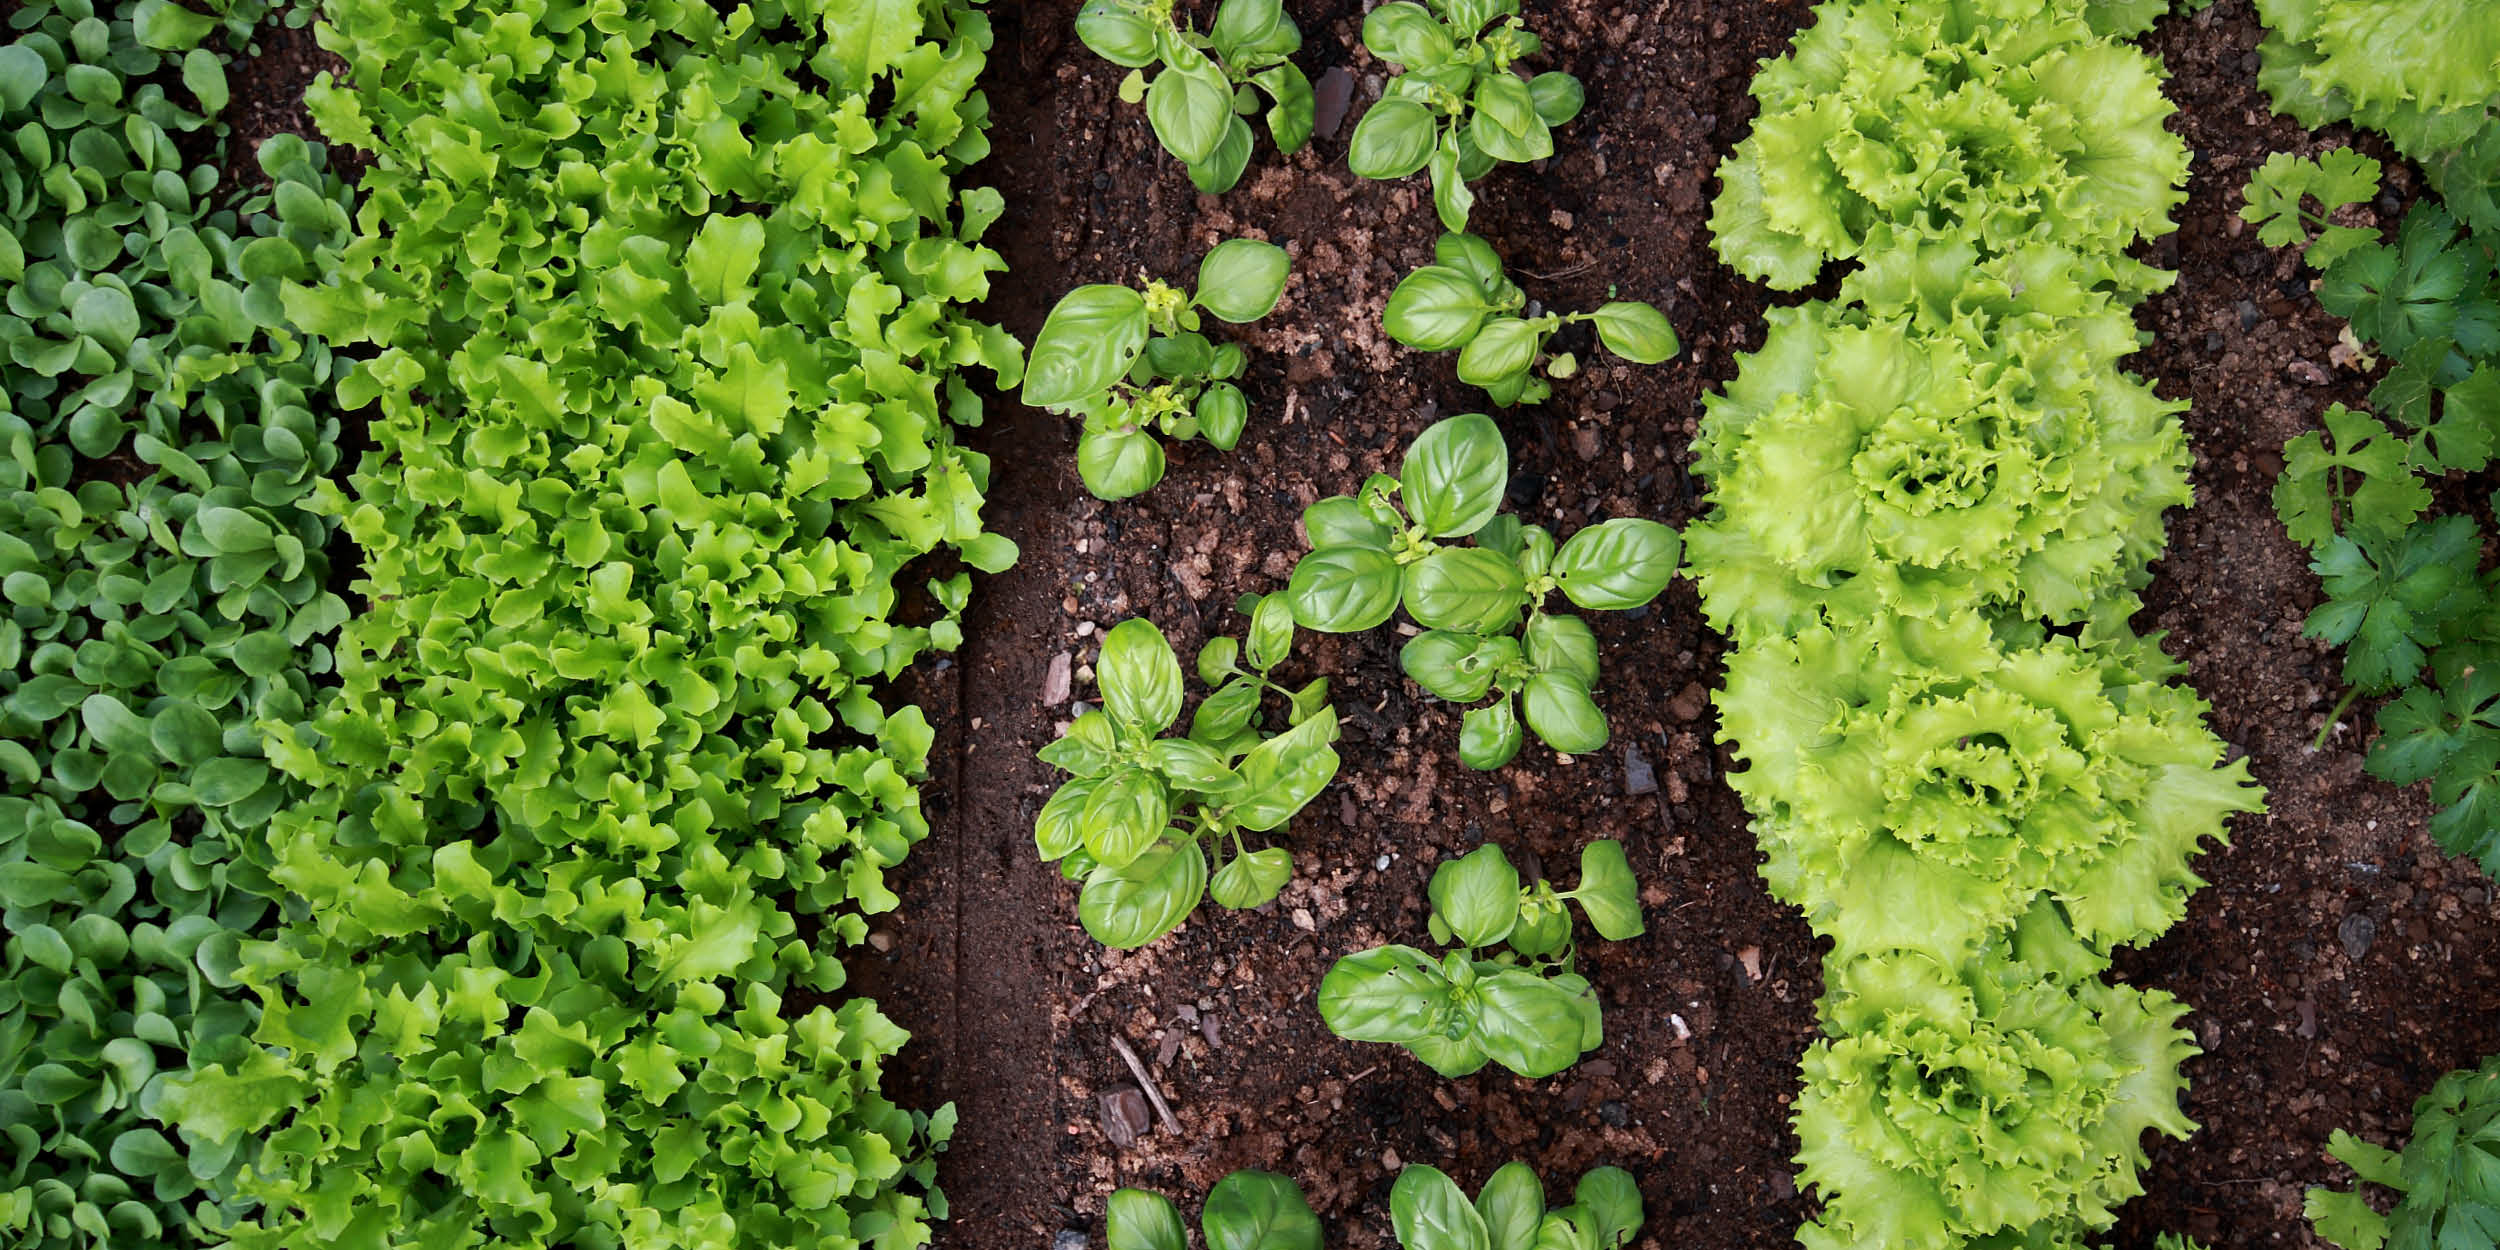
(509, 907)
(1933, 498)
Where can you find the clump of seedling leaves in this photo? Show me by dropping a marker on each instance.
(2448, 1194)
(1430, 1212)
(1143, 814)
(1458, 107)
(1130, 362)
(1208, 82)
(163, 562)
(1247, 1210)
(2405, 595)
(1523, 1007)
(1461, 302)
(1482, 606)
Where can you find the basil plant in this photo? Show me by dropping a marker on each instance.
(1462, 303)
(1207, 83)
(1144, 818)
(1430, 1212)
(1131, 362)
(1482, 606)
(1457, 107)
(1245, 1211)
(1523, 1007)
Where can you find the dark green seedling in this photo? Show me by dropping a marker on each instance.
(1457, 107)
(1245, 1211)
(1430, 1212)
(1145, 816)
(1482, 606)
(1523, 1007)
(1208, 83)
(1462, 303)
(1131, 362)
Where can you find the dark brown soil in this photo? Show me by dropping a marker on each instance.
(2338, 964)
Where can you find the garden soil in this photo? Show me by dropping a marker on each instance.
(2337, 964)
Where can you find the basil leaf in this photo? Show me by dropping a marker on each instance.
(1405, 34)
(1452, 1057)
(1297, 109)
(1394, 139)
(1137, 1220)
(1193, 767)
(1189, 104)
(1125, 814)
(1240, 280)
(1127, 907)
(1118, 464)
(1430, 1212)
(1385, 994)
(1060, 827)
(1475, 258)
(1455, 666)
(1511, 1204)
(1476, 895)
(1489, 736)
(1139, 676)
(1271, 632)
(1454, 475)
(1342, 521)
(1558, 97)
(1561, 712)
(1559, 643)
(1117, 33)
(1344, 590)
(1451, 200)
(1222, 169)
(1251, 880)
(1222, 412)
(1085, 749)
(1527, 1023)
(1503, 349)
(1617, 564)
(1465, 588)
(1225, 713)
(1607, 893)
(1253, 30)
(1283, 774)
(1435, 309)
(1613, 1203)
(1636, 332)
(1259, 1211)
(1089, 340)
(1220, 658)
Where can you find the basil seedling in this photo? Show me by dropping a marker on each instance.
(1430, 1212)
(1245, 1211)
(1144, 815)
(1128, 362)
(1482, 606)
(1462, 303)
(1524, 1008)
(1208, 82)
(1457, 107)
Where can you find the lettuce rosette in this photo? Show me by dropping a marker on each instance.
(1890, 462)
(2426, 73)
(1995, 121)
(2002, 1100)
(1920, 784)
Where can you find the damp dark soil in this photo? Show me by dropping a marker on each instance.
(2337, 963)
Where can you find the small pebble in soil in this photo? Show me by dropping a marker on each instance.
(1613, 1113)
(2357, 932)
(1124, 1116)
(1070, 1239)
(1381, 864)
(1332, 96)
(1638, 776)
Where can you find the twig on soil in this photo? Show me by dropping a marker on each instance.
(1565, 272)
(1137, 1068)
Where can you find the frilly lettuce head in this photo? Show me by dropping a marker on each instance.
(2000, 1101)
(1990, 121)
(2424, 72)
(1920, 785)
(1893, 461)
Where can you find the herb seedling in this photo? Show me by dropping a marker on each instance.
(1430, 1212)
(1208, 82)
(1457, 107)
(1462, 302)
(2446, 1191)
(1143, 814)
(1245, 1211)
(1130, 362)
(1524, 1008)
(1482, 606)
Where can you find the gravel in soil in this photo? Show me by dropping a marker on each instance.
(2337, 963)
